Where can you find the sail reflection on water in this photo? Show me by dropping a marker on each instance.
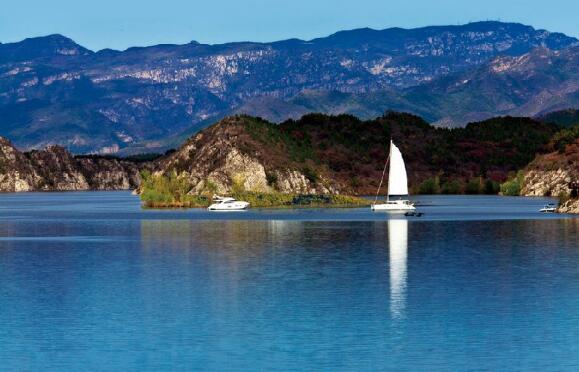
(398, 242)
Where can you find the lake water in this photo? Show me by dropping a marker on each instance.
(90, 281)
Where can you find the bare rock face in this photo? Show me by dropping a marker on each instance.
(108, 174)
(552, 174)
(55, 169)
(570, 206)
(293, 181)
(58, 170)
(13, 182)
(547, 183)
(242, 169)
(555, 174)
(16, 172)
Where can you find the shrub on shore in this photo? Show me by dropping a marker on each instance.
(474, 186)
(513, 186)
(451, 187)
(160, 191)
(277, 199)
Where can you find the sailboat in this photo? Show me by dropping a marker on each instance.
(397, 184)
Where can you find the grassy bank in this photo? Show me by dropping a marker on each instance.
(173, 192)
(262, 200)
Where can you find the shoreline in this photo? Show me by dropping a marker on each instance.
(366, 200)
(264, 200)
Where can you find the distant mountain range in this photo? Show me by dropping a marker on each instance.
(534, 84)
(53, 91)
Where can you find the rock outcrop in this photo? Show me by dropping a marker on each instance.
(226, 156)
(570, 206)
(55, 169)
(557, 173)
(552, 174)
(547, 182)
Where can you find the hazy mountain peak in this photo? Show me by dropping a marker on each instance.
(39, 47)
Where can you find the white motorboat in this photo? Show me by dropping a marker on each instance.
(397, 185)
(549, 208)
(227, 204)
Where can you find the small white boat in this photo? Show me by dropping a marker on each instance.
(549, 208)
(227, 204)
(397, 185)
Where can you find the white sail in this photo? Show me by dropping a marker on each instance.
(397, 179)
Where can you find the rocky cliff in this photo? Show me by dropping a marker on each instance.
(569, 206)
(547, 181)
(553, 173)
(55, 169)
(557, 172)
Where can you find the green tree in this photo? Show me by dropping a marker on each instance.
(451, 187)
(430, 186)
(491, 187)
(513, 186)
(474, 186)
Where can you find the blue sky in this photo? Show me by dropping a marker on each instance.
(119, 24)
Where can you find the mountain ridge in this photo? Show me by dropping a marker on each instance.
(110, 101)
(534, 84)
(389, 31)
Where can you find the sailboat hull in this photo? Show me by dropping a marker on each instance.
(394, 206)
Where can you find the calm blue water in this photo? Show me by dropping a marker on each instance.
(89, 281)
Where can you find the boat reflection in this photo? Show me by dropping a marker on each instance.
(398, 242)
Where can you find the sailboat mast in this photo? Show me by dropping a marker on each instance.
(388, 187)
(383, 174)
